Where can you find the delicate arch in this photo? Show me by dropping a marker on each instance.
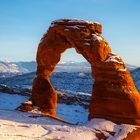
(108, 70)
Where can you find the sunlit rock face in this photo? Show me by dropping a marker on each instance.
(114, 94)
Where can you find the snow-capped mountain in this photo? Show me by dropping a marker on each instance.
(14, 68)
(73, 67)
(69, 77)
(131, 67)
(17, 67)
(67, 82)
(7, 67)
(136, 77)
(26, 67)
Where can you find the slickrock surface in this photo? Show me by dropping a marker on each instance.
(114, 94)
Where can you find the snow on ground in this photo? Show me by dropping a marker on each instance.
(114, 58)
(73, 113)
(15, 125)
(11, 101)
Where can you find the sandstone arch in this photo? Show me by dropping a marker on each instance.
(114, 94)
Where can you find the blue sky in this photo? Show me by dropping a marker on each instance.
(23, 22)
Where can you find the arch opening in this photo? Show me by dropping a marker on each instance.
(72, 75)
(72, 82)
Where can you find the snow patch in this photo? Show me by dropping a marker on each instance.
(114, 58)
(72, 113)
(66, 29)
(74, 27)
(122, 70)
(96, 37)
(74, 20)
(87, 44)
(121, 131)
(16, 125)
(11, 101)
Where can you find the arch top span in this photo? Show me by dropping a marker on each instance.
(93, 26)
(114, 94)
(82, 35)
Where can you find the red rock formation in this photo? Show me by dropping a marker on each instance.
(135, 135)
(114, 94)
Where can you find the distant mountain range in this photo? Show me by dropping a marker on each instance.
(8, 67)
(67, 82)
(136, 77)
(12, 68)
(69, 76)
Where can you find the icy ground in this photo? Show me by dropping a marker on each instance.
(15, 125)
(73, 113)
